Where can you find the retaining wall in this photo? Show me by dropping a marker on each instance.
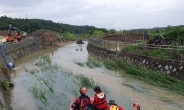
(172, 68)
(16, 51)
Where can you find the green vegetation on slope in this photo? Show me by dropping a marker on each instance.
(152, 77)
(175, 34)
(155, 78)
(160, 53)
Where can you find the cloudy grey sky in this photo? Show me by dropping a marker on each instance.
(109, 14)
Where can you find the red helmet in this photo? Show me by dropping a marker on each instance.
(83, 90)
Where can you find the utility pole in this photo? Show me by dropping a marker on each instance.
(28, 24)
(143, 34)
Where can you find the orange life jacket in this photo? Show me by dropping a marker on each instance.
(101, 100)
(83, 102)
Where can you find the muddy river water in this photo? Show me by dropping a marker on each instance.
(47, 88)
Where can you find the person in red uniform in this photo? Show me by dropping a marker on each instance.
(50, 41)
(113, 106)
(100, 102)
(136, 106)
(82, 100)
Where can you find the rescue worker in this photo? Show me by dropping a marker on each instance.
(50, 41)
(100, 102)
(82, 100)
(113, 106)
(136, 106)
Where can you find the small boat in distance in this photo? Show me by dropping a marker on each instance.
(79, 42)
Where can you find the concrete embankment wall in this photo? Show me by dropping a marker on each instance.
(14, 51)
(172, 68)
(17, 53)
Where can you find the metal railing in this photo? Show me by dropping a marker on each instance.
(166, 52)
(107, 44)
(171, 52)
(160, 46)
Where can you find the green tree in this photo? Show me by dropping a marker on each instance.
(69, 36)
(176, 34)
(98, 33)
(168, 28)
(112, 31)
(157, 30)
(37, 24)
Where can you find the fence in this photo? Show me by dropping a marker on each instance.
(167, 52)
(161, 46)
(110, 45)
(45, 35)
(134, 38)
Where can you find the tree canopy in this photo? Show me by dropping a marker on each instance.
(33, 25)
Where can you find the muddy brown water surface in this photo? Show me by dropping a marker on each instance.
(51, 90)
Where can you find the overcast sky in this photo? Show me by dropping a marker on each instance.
(109, 14)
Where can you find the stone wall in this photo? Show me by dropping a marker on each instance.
(5, 96)
(19, 52)
(13, 55)
(172, 68)
(15, 51)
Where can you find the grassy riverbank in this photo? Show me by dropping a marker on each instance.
(160, 53)
(155, 78)
(152, 77)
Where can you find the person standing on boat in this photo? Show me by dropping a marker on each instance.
(100, 102)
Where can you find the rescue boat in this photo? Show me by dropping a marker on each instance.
(79, 42)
